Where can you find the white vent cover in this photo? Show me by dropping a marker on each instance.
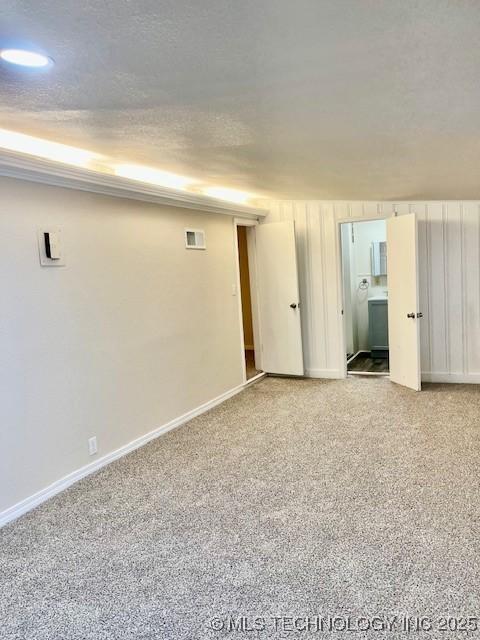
(194, 239)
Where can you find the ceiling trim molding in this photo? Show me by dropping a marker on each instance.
(33, 169)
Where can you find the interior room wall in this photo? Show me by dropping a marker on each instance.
(449, 270)
(245, 287)
(133, 332)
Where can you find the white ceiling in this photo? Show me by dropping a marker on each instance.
(366, 99)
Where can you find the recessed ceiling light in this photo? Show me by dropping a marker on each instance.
(25, 58)
(153, 176)
(232, 195)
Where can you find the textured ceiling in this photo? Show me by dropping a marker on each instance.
(298, 99)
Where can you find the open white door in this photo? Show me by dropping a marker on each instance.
(278, 299)
(403, 312)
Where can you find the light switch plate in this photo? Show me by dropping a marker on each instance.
(45, 261)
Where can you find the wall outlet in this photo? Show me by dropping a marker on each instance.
(92, 445)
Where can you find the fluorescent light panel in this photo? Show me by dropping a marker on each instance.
(153, 176)
(65, 154)
(55, 151)
(232, 195)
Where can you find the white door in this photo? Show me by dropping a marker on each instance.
(278, 299)
(403, 308)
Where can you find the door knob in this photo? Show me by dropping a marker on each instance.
(420, 315)
(410, 315)
(293, 305)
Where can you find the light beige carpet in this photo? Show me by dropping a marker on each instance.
(356, 499)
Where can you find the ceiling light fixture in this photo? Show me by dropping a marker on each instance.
(232, 195)
(153, 176)
(55, 151)
(25, 58)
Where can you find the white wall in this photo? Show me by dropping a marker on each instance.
(133, 332)
(449, 239)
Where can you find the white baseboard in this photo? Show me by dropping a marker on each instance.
(324, 373)
(63, 483)
(455, 378)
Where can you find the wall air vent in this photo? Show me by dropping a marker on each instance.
(195, 239)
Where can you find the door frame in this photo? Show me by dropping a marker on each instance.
(252, 258)
(342, 360)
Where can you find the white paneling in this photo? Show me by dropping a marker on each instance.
(333, 296)
(316, 302)
(423, 264)
(471, 286)
(437, 287)
(449, 266)
(454, 287)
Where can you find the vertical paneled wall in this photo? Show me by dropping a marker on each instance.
(449, 246)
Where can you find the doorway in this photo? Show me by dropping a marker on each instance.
(392, 329)
(252, 369)
(365, 286)
(268, 296)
